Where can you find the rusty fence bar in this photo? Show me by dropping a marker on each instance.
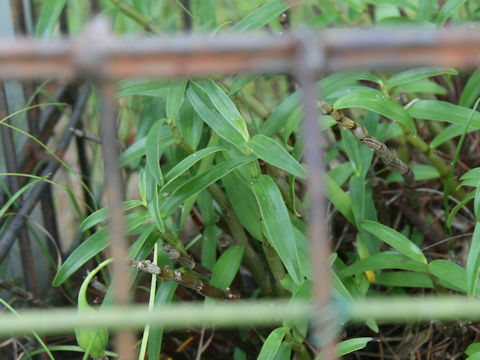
(229, 54)
(103, 58)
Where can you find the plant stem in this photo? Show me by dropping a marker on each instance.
(136, 16)
(253, 260)
(438, 163)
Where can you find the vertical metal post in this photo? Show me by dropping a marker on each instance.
(124, 341)
(310, 62)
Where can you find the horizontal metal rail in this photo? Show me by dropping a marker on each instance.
(239, 313)
(99, 53)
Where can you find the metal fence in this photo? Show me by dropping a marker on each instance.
(100, 57)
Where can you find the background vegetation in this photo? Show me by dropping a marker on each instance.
(216, 190)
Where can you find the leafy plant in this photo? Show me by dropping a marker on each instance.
(220, 200)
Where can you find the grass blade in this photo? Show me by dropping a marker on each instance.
(278, 228)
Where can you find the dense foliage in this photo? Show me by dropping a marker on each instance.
(217, 187)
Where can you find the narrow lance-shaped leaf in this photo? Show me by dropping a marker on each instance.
(448, 9)
(227, 267)
(164, 295)
(133, 152)
(174, 98)
(88, 249)
(375, 101)
(351, 345)
(184, 165)
(243, 201)
(339, 198)
(49, 15)
(443, 111)
(395, 240)
(102, 214)
(263, 15)
(273, 153)
(473, 261)
(153, 202)
(416, 74)
(223, 128)
(471, 90)
(383, 260)
(404, 279)
(278, 228)
(224, 106)
(200, 182)
(153, 149)
(449, 274)
(272, 344)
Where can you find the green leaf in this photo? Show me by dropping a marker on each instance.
(473, 261)
(263, 15)
(242, 199)
(351, 345)
(223, 128)
(426, 9)
(448, 133)
(92, 341)
(420, 86)
(447, 10)
(224, 106)
(199, 182)
(473, 348)
(275, 154)
(184, 165)
(102, 214)
(354, 4)
(290, 106)
(206, 14)
(209, 246)
(421, 172)
(133, 152)
(153, 88)
(339, 287)
(153, 202)
(383, 260)
(276, 120)
(278, 228)
(84, 252)
(272, 344)
(239, 82)
(154, 148)
(339, 198)
(444, 111)
(395, 240)
(402, 3)
(476, 203)
(471, 91)
(190, 125)
(164, 295)
(416, 74)
(450, 273)
(227, 267)
(362, 202)
(49, 15)
(404, 279)
(375, 101)
(174, 98)
(15, 196)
